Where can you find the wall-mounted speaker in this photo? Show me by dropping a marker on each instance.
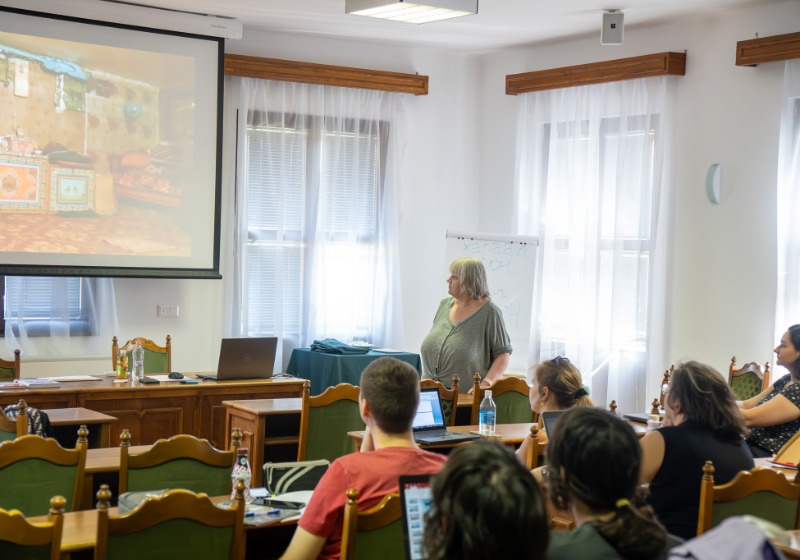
(611, 32)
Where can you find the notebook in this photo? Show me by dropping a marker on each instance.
(549, 418)
(429, 426)
(245, 358)
(640, 417)
(415, 500)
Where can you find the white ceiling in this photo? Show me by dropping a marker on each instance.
(498, 24)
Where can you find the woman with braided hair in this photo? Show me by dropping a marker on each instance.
(593, 462)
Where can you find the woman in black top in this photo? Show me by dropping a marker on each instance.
(702, 423)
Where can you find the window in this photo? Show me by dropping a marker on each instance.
(313, 192)
(38, 301)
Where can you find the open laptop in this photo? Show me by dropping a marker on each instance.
(550, 418)
(415, 500)
(429, 426)
(245, 358)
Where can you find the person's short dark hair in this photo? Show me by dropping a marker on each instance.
(485, 505)
(706, 398)
(391, 389)
(595, 457)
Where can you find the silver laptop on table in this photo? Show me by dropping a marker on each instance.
(245, 358)
(429, 425)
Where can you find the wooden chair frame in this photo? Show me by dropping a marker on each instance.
(18, 425)
(16, 529)
(12, 364)
(146, 344)
(532, 458)
(182, 446)
(386, 512)
(445, 394)
(48, 449)
(343, 391)
(173, 504)
(743, 484)
(504, 385)
(753, 367)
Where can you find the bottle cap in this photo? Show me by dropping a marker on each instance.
(488, 394)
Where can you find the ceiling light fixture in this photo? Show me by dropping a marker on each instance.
(412, 12)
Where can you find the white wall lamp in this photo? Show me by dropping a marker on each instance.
(422, 11)
(714, 182)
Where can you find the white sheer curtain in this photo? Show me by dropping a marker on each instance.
(592, 166)
(788, 301)
(316, 251)
(60, 316)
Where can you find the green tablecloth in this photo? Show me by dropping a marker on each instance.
(327, 370)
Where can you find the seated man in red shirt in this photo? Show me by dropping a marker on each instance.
(388, 402)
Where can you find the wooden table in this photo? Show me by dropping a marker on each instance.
(99, 425)
(152, 412)
(80, 527)
(510, 434)
(791, 550)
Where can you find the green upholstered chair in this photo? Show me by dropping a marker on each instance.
(34, 469)
(182, 461)
(374, 533)
(9, 369)
(762, 492)
(10, 428)
(22, 540)
(177, 524)
(325, 421)
(449, 397)
(510, 395)
(157, 359)
(748, 381)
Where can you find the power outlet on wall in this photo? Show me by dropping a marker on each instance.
(168, 311)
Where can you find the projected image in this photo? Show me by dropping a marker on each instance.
(95, 144)
(108, 146)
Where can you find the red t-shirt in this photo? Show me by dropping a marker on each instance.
(374, 474)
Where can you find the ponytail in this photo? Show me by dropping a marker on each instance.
(634, 532)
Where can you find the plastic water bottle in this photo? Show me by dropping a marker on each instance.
(487, 415)
(241, 470)
(138, 361)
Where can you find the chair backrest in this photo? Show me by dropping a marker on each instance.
(325, 421)
(375, 533)
(157, 359)
(11, 428)
(449, 397)
(9, 369)
(34, 469)
(22, 540)
(748, 380)
(511, 395)
(532, 458)
(765, 493)
(177, 524)
(182, 461)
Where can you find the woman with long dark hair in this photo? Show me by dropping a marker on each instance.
(701, 423)
(485, 505)
(593, 462)
(774, 415)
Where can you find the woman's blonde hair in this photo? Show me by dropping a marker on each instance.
(564, 381)
(472, 276)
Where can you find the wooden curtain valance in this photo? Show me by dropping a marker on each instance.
(322, 74)
(661, 64)
(769, 49)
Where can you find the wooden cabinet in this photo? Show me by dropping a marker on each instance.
(152, 412)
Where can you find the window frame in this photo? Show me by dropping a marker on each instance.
(83, 325)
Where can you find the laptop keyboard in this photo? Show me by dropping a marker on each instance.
(434, 434)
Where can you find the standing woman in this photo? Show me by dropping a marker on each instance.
(774, 415)
(468, 334)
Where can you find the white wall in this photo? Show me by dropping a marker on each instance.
(722, 295)
(458, 173)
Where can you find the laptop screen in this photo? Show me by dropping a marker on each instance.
(550, 418)
(247, 358)
(416, 498)
(429, 412)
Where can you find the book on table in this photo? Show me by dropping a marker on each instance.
(30, 383)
